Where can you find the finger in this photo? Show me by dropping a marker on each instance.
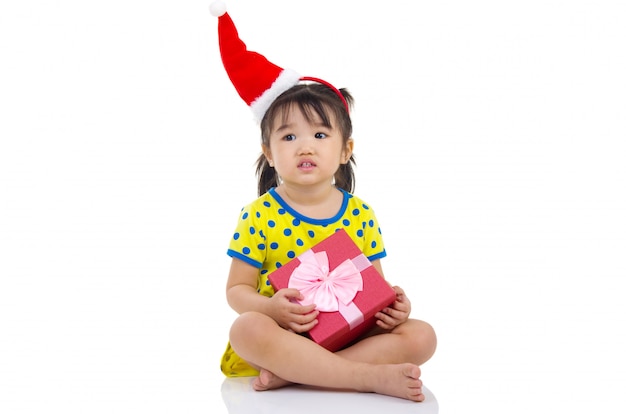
(303, 309)
(384, 318)
(399, 291)
(305, 327)
(384, 325)
(291, 293)
(401, 295)
(392, 318)
(305, 318)
(393, 313)
(402, 299)
(401, 306)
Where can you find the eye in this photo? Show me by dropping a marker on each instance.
(289, 137)
(320, 135)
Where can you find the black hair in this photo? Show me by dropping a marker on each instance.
(312, 99)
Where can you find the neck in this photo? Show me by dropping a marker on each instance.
(320, 202)
(306, 196)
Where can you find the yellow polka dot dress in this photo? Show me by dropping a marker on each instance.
(270, 233)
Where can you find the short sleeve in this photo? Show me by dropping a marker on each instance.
(248, 242)
(372, 245)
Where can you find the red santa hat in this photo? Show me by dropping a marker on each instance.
(257, 80)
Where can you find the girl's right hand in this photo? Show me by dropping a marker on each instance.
(290, 315)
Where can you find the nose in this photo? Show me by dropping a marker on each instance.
(305, 150)
(306, 145)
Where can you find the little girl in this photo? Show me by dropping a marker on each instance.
(305, 189)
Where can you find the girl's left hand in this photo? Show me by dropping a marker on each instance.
(397, 313)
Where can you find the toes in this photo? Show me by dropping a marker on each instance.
(416, 394)
(412, 371)
(258, 385)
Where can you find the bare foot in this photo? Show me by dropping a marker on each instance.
(268, 381)
(402, 380)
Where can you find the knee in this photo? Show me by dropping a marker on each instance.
(249, 328)
(429, 340)
(423, 340)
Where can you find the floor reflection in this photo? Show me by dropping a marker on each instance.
(240, 398)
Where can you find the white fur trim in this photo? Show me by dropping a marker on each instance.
(284, 81)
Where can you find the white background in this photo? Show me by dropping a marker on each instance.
(489, 139)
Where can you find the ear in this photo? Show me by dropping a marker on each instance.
(268, 155)
(347, 151)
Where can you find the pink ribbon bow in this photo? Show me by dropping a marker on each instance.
(328, 290)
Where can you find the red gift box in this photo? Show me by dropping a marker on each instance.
(336, 276)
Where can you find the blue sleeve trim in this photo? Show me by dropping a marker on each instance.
(378, 256)
(237, 255)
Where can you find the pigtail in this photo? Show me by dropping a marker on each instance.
(266, 175)
(344, 177)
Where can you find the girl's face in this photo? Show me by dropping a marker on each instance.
(305, 153)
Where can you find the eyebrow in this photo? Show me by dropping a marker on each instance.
(286, 126)
(283, 127)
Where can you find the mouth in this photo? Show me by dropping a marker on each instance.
(306, 164)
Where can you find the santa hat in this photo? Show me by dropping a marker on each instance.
(257, 80)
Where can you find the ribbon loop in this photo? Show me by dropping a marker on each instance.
(326, 289)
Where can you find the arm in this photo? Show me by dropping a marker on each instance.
(399, 311)
(242, 296)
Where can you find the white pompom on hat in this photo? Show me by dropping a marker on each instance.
(257, 80)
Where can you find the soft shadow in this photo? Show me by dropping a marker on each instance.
(240, 398)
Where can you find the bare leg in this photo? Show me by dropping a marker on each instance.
(292, 358)
(414, 341)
